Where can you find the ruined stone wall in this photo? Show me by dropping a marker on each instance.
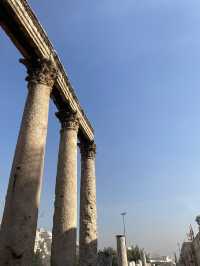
(187, 254)
(196, 247)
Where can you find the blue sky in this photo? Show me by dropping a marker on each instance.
(135, 67)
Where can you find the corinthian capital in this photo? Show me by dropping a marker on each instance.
(40, 71)
(69, 120)
(88, 149)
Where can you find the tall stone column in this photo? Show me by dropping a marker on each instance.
(65, 215)
(18, 228)
(88, 213)
(121, 251)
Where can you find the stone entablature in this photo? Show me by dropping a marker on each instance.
(38, 44)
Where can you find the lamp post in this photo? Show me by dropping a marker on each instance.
(124, 224)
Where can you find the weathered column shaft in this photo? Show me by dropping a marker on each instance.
(65, 215)
(88, 213)
(18, 228)
(121, 251)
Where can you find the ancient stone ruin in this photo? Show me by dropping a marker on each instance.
(47, 80)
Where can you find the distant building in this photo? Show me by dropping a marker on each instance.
(190, 250)
(187, 257)
(43, 247)
(162, 261)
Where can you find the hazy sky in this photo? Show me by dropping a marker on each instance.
(135, 66)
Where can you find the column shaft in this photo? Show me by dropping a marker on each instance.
(121, 251)
(18, 228)
(88, 214)
(65, 215)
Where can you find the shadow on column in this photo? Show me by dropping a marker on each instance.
(88, 254)
(64, 248)
(19, 223)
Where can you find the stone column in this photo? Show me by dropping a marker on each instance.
(88, 213)
(121, 251)
(65, 215)
(18, 228)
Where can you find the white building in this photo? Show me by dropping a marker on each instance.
(43, 247)
(162, 261)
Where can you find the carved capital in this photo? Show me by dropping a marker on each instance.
(40, 71)
(88, 149)
(68, 120)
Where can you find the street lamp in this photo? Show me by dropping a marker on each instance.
(124, 225)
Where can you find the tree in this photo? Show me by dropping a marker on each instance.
(36, 260)
(134, 254)
(107, 256)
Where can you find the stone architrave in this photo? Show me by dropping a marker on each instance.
(65, 215)
(121, 251)
(19, 223)
(88, 212)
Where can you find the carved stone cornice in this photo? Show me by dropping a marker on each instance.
(68, 120)
(40, 71)
(88, 150)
